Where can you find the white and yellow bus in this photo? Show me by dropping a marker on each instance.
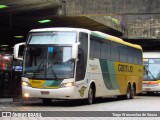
(151, 83)
(74, 63)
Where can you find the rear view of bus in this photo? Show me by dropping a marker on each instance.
(151, 81)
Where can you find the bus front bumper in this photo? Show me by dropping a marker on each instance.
(59, 93)
(151, 89)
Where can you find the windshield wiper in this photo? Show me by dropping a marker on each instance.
(53, 71)
(37, 70)
(150, 73)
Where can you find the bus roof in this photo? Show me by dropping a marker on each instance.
(95, 33)
(115, 39)
(61, 29)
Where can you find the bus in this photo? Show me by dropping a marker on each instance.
(76, 63)
(151, 83)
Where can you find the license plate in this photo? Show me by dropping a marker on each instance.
(45, 92)
(147, 88)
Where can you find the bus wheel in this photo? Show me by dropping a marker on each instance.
(90, 98)
(128, 95)
(47, 101)
(133, 92)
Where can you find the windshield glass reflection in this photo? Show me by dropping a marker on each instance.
(48, 62)
(152, 69)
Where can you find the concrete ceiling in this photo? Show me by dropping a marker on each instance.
(23, 15)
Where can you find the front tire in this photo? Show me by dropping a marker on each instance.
(47, 101)
(91, 95)
(128, 94)
(133, 92)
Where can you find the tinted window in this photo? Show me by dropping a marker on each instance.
(105, 50)
(123, 53)
(95, 47)
(101, 48)
(114, 51)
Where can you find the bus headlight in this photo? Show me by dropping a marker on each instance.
(26, 95)
(26, 84)
(69, 84)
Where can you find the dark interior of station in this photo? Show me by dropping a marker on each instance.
(19, 17)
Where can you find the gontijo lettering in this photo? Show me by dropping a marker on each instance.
(125, 68)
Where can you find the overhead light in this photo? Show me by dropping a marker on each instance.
(3, 6)
(44, 21)
(4, 45)
(19, 36)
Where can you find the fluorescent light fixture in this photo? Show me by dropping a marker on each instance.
(3, 6)
(19, 36)
(4, 45)
(44, 21)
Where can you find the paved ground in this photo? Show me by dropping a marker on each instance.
(141, 105)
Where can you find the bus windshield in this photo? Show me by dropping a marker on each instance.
(58, 37)
(152, 69)
(48, 62)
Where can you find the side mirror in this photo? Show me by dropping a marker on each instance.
(16, 51)
(75, 50)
